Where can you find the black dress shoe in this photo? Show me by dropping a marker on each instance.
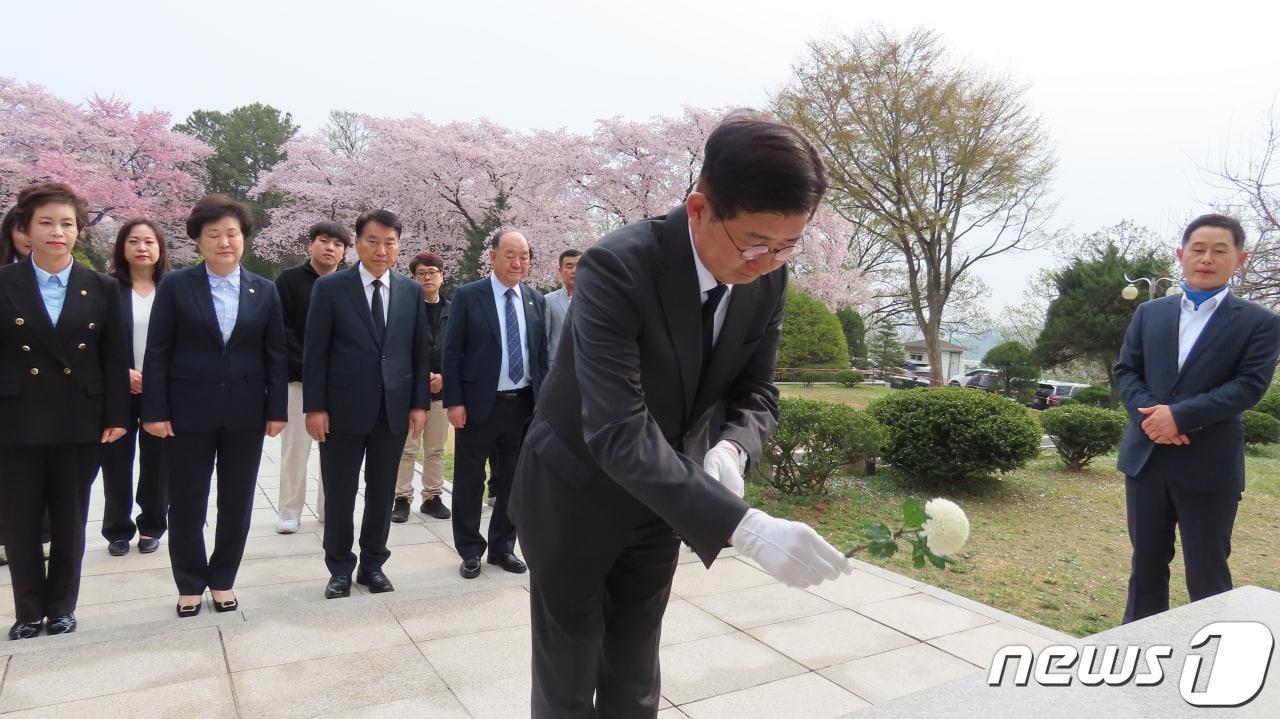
(147, 545)
(190, 610)
(24, 630)
(399, 511)
(118, 548)
(470, 568)
(435, 508)
(226, 605)
(509, 562)
(375, 580)
(337, 587)
(60, 625)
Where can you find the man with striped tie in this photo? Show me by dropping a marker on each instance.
(495, 357)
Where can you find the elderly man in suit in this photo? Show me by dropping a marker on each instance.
(365, 371)
(64, 392)
(495, 356)
(1191, 364)
(558, 302)
(673, 317)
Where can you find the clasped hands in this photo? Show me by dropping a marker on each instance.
(1160, 425)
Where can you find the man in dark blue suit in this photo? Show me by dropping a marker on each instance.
(495, 357)
(1190, 365)
(365, 370)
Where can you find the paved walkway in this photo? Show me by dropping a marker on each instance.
(735, 642)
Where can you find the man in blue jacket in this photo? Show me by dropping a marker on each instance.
(1191, 364)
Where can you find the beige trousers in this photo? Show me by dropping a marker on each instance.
(431, 442)
(295, 447)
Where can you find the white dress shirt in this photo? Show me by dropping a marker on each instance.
(141, 319)
(366, 279)
(499, 297)
(706, 282)
(1191, 321)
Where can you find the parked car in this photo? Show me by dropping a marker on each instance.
(919, 369)
(986, 380)
(962, 380)
(1051, 393)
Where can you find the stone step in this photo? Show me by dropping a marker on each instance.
(144, 618)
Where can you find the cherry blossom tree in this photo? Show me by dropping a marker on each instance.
(125, 163)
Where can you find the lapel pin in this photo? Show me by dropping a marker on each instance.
(19, 321)
(250, 290)
(84, 293)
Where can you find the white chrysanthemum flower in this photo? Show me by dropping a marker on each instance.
(947, 528)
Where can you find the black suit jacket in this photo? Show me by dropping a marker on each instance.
(625, 418)
(195, 380)
(1227, 371)
(65, 383)
(347, 371)
(473, 347)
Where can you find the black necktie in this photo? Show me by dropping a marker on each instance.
(379, 319)
(709, 322)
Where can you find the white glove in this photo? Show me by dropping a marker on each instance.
(790, 551)
(726, 464)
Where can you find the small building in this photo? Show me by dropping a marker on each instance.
(917, 351)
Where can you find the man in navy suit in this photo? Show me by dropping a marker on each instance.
(495, 357)
(365, 369)
(1190, 365)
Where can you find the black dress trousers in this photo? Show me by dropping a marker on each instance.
(340, 457)
(501, 435)
(33, 479)
(117, 484)
(192, 457)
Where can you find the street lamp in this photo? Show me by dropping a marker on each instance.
(1130, 292)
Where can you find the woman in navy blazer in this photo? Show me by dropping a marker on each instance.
(138, 261)
(216, 383)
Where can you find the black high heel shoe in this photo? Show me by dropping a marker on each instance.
(229, 605)
(189, 610)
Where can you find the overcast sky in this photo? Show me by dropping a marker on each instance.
(1138, 99)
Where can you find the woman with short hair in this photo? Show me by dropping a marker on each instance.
(64, 392)
(216, 382)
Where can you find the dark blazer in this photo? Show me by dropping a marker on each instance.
(295, 285)
(473, 347)
(347, 372)
(66, 383)
(624, 417)
(436, 351)
(1227, 371)
(195, 380)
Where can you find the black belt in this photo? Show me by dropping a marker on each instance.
(521, 393)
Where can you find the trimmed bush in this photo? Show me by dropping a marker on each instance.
(1094, 396)
(811, 335)
(953, 434)
(1081, 433)
(1260, 428)
(807, 378)
(1270, 402)
(815, 439)
(849, 377)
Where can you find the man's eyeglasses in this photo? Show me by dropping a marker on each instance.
(755, 252)
(427, 273)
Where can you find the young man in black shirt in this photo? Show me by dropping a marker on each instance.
(327, 242)
(428, 269)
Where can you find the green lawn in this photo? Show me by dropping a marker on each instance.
(1046, 544)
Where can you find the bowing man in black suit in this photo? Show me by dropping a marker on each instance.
(495, 357)
(671, 318)
(216, 382)
(365, 373)
(1191, 364)
(64, 392)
